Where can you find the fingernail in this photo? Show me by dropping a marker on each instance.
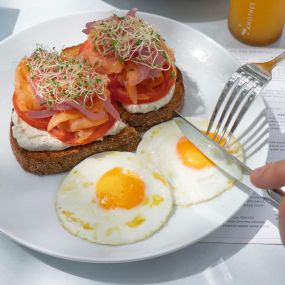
(259, 171)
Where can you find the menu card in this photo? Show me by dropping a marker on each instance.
(257, 221)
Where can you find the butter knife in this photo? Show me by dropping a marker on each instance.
(225, 161)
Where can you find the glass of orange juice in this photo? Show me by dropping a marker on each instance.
(256, 22)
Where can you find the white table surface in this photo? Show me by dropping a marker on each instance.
(203, 263)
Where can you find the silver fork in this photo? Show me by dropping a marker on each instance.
(241, 90)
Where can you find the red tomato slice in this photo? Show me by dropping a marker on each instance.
(100, 131)
(62, 135)
(36, 123)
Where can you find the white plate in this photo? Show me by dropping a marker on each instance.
(27, 212)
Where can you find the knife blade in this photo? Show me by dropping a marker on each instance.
(225, 161)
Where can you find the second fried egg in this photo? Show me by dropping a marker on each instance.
(192, 175)
(113, 198)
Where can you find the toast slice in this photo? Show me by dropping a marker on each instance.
(50, 162)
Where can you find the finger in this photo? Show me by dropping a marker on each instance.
(269, 176)
(282, 220)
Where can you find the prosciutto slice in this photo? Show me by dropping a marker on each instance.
(111, 110)
(41, 114)
(88, 114)
(88, 27)
(132, 12)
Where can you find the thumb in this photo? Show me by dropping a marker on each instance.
(269, 176)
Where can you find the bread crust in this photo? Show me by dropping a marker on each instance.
(50, 162)
(71, 52)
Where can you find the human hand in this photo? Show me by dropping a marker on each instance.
(269, 177)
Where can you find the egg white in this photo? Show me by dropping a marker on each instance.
(190, 186)
(82, 216)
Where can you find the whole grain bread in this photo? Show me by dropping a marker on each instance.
(50, 162)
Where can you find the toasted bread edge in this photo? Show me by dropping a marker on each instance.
(51, 162)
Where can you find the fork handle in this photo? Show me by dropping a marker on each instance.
(269, 65)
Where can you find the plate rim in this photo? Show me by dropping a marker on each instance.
(115, 259)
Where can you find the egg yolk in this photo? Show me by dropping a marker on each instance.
(191, 156)
(119, 188)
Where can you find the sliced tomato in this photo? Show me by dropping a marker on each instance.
(62, 135)
(149, 90)
(36, 123)
(100, 131)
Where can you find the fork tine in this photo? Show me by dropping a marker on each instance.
(242, 84)
(248, 81)
(233, 80)
(248, 89)
(255, 92)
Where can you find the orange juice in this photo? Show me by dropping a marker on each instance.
(257, 22)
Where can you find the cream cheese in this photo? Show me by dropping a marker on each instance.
(116, 128)
(153, 106)
(33, 139)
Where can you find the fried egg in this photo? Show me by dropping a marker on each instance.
(193, 177)
(113, 198)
